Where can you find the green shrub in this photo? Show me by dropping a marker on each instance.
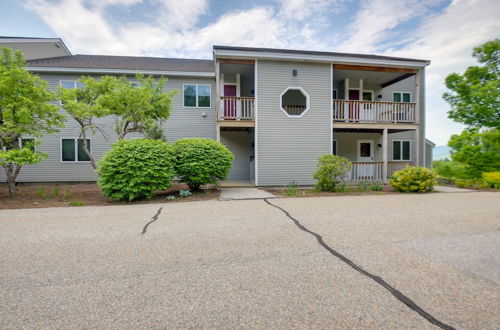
(67, 194)
(76, 203)
(201, 161)
(55, 191)
(363, 186)
(185, 193)
(450, 170)
(413, 179)
(492, 179)
(171, 198)
(471, 183)
(330, 172)
(291, 189)
(41, 193)
(376, 187)
(136, 169)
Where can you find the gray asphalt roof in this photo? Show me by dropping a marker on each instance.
(310, 52)
(125, 62)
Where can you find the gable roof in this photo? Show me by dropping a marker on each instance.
(317, 53)
(36, 48)
(124, 63)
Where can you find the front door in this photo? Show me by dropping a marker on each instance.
(354, 106)
(365, 170)
(230, 105)
(365, 150)
(366, 112)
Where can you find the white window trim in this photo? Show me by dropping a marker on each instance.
(308, 104)
(401, 94)
(401, 151)
(76, 150)
(197, 85)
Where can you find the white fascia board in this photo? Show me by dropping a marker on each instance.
(121, 71)
(319, 58)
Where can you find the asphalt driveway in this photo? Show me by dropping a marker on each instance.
(247, 264)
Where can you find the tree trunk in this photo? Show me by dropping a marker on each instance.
(87, 151)
(11, 175)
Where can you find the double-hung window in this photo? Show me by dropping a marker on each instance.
(71, 84)
(401, 150)
(401, 97)
(72, 150)
(197, 96)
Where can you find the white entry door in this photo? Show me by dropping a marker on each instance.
(365, 150)
(365, 170)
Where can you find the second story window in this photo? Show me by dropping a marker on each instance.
(197, 96)
(401, 97)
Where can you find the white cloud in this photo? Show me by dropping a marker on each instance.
(446, 37)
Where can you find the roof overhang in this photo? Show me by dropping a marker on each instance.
(39, 40)
(121, 71)
(221, 52)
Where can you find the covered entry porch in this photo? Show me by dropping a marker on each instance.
(375, 153)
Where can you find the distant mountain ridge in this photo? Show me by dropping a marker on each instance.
(441, 152)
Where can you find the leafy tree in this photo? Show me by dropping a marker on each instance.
(479, 150)
(82, 104)
(25, 111)
(474, 96)
(137, 106)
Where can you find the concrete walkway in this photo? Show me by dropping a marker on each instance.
(229, 194)
(446, 189)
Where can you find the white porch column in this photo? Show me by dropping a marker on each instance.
(346, 97)
(217, 92)
(238, 102)
(217, 133)
(360, 96)
(417, 147)
(384, 155)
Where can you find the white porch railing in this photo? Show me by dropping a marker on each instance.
(373, 112)
(236, 108)
(366, 171)
(372, 171)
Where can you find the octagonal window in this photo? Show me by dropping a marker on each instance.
(294, 101)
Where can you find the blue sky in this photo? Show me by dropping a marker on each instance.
(442, 31)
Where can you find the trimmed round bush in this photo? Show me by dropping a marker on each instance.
(331, 171)
(201, 161)
(136, 169)
(413, 179)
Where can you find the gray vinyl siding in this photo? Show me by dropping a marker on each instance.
(240, 144)
(288, 148)
(183, 122)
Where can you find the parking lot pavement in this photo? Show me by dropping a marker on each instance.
(241, 264)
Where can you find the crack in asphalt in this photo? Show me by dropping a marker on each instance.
(153, 219)
(392, 290)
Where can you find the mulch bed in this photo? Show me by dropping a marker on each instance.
(85, 194)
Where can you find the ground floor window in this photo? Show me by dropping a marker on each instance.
(72, 150)
(401, 150)
(401, 97)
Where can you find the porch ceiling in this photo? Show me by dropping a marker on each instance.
(372, 77)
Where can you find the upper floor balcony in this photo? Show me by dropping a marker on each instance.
(352, 111)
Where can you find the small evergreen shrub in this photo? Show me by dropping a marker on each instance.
(291, 189)
(201, 161)
(492, 179)
(330, 172)
(136, 169)
(171, 198)
(413, 179)
(376, 187)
